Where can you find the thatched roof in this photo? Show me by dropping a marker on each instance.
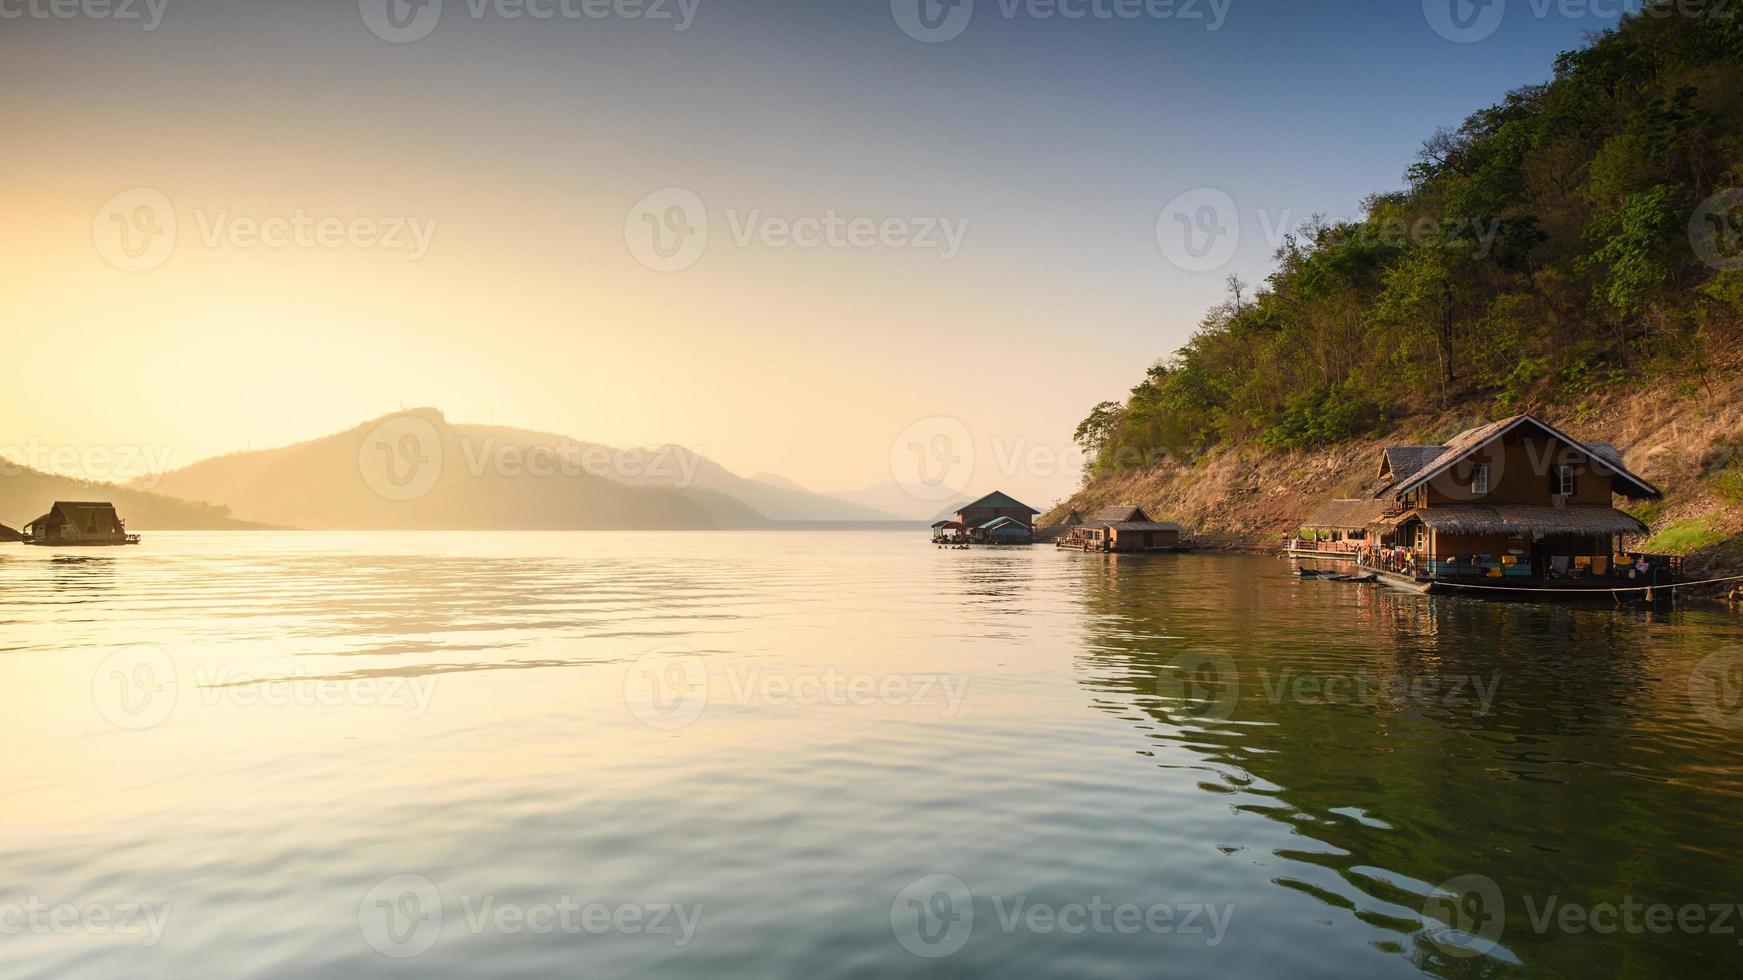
(1527, 519)
(1404, 462)
(1347, 514)
(1603, 455)
(1116, 514)
(1142, 525)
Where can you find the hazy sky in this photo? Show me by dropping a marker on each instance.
(897, 229)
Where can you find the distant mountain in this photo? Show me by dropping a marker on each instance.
(775, 497)
(415, 470)
(776, 480)
(26, 494)
(915, 504)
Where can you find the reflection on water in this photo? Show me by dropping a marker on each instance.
(842, 754)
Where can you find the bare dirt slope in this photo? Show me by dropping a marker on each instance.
(1689, 445)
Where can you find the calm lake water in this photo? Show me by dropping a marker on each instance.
(844, 755)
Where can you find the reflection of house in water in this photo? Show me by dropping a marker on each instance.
(79, 523)
(1362, 760)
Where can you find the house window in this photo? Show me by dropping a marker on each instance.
(1564, 480)
(1480, 480)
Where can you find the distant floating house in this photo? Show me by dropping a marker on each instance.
(8, 535)
(79, 523)
(1515, 503)
(1123, 529)
(997, 518)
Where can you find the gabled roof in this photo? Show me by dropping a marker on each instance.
(997, 499)
(1116, 514)
(1403, 462)
(82, 511)
(944, 524)
(1001, 522)
(1471, 440)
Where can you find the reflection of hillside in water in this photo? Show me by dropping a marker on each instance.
(1414, 739)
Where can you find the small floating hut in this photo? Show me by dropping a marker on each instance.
(1123, 529)
(1338, 530)
(79, 524)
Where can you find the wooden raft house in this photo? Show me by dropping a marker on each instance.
(996, 518)
(71, 523)
(1512, 506)
(1337, 531)
(1122, 529)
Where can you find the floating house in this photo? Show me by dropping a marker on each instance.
(79, 523)
(1338, 530)
(8, 535)
(1512, 505)
(996, 518)
(1123, 529)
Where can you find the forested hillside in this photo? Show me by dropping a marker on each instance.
(1578, 239)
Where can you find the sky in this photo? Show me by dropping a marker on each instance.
(843, 241)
